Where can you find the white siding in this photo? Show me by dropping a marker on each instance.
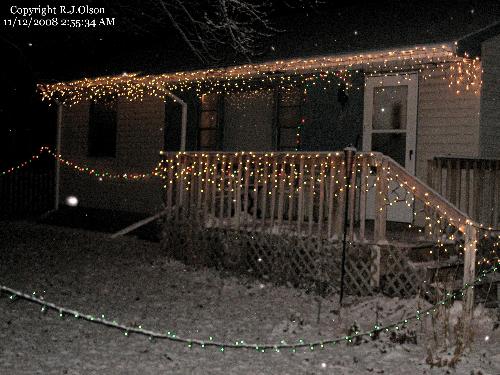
(139, 140)
(490, 99)
(448, 123)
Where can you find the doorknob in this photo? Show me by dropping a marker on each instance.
(411, 154)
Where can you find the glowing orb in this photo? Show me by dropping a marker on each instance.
(72, 201)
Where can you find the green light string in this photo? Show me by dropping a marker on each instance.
(240, 344)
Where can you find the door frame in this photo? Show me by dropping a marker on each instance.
(409, 79)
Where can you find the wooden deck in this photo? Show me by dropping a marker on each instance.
(291, 210)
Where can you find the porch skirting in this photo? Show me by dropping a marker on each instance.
(301, 261)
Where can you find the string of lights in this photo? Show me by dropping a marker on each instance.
(21, 165)
(462, 73)
(102, 174)
(210, 167)
(83, 169)
(241, 344)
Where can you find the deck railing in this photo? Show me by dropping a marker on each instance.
(471, 184)
(304, 193)
(296, 192)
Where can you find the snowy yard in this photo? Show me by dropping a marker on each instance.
(132, 282)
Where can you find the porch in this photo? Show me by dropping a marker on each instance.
(292, 217)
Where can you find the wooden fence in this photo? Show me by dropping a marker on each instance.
(27, 191)
(473, 185)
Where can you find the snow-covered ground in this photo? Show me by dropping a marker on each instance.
(132, 282)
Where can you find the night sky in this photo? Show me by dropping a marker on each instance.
(140, 43)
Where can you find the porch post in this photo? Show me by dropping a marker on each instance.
(58, 152)
(380, 205)
(470, 235)
(349, 153)
(183, 126)
(183, 118)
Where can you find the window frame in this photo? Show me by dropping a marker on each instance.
(216, 128)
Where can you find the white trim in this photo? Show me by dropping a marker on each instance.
(138, 224)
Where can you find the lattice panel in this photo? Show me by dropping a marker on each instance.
(300, 261)
(397, 276)
(358, 264)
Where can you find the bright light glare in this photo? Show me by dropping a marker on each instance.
(72, 201)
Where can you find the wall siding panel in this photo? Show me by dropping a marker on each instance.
(139, 139)
(490, 99)
(448, 124)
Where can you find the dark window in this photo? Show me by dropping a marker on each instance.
(102, 129)
(209, 118)
(289, 119)
(288, 115)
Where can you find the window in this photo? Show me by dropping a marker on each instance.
(209, 118)
(289, 119)
(248, 120)
(102, 129)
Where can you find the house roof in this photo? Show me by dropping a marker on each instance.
(329, 30)
(317, 40)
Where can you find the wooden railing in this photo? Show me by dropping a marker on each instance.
(299, 192)
(303, 193)
(473, 185)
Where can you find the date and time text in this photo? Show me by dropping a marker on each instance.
(65, 16)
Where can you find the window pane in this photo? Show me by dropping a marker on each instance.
(209, 102)
(248, 121)
(102, 129)
(208, 139)
(289, 117)
(208, 120)
(288, 139)
(393, 145)
(389, 107)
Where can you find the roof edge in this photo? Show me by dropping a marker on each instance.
(449, 47)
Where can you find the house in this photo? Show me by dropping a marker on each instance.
(250, 148)
(413, 103)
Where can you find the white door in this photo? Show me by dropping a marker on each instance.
(390, 126)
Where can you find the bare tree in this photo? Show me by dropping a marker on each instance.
(212, 26)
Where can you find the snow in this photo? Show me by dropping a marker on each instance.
(132, 282)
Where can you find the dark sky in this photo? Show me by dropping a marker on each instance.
(50, 54)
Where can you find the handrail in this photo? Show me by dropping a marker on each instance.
(425, 193)
(459, 157)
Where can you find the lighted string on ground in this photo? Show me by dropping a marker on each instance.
(241, 344)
